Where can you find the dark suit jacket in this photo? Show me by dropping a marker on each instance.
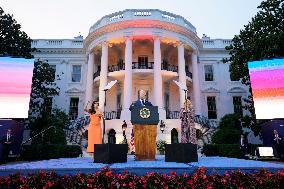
(4, 139)
(139, 104)
(245, 143)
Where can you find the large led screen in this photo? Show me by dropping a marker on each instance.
(15, 86)
(267, 82)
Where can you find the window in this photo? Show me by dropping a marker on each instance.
(47, 105)
(237, 102)
(53, 67)
(143, 62)
(73, 110)
(211, 104)
(208, 73)
(76, 73)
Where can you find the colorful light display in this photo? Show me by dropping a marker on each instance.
(267, 82)
(15, 86)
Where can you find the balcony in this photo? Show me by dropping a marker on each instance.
(169, 67)
(142, 65)
(117, 67)
(112, 115)
(97, 74)
(188, 74)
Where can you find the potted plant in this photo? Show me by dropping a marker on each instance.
(161, 145)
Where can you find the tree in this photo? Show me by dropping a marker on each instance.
(262, 38)
(14, 42)
(229, 130)
(41, 115)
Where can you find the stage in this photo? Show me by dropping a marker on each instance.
(85, 165)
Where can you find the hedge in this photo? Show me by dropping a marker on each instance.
(227, 150)
(40, 152)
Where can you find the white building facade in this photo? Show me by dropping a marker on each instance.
(143, 49)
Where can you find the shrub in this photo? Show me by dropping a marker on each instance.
(226, 136)
(229, 130)
(224, 150)
(49, 151)
(161, 145)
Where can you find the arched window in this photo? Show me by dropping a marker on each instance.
(174, 136)
(111, 137)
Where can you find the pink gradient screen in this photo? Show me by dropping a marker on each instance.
(267, 82)
(15, 86)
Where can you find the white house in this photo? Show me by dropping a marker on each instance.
(143, 49)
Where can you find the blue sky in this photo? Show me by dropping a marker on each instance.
(56, 19)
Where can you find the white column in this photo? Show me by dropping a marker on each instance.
(196, 84)
(127, 86)
(90, 80)
(158, 83)
(181, 73)
(103, 75)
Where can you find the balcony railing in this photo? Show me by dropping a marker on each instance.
(172, 114)
(169, 67)
(96, 74)
(142, 65)
(200, 119)
(188, 74)
(117, 67)
(112, 115)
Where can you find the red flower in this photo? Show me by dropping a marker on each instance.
(131, 184)
(109, 173)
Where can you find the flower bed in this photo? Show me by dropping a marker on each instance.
(107, 179)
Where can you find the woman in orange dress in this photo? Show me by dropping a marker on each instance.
(94, 130)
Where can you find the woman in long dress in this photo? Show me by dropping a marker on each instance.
(188, 131)
(94, 130)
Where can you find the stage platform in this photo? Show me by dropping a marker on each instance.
(85, 165)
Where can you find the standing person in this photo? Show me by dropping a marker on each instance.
(94, 130)
(7, 140)
(188, 131)
(243, 145)
(277, 143)
(142, 100)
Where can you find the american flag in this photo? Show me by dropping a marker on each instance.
(132, 141)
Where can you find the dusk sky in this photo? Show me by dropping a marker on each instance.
(64, 19)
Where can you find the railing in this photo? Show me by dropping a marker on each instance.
(188, 74)
(169, 67)
(131, 14)
(140, 65)
(200, 119)
(117, 67)
(112, 115)
(96, 74)
(172, 114)
(216, 43)
(57, 43)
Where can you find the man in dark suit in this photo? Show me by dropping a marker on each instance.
(6, 141)
(243, 145)
(142, 101)
(277, 144)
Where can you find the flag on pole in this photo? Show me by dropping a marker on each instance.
(132, 142)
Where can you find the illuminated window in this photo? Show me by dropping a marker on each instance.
(73, 109)
(211, 105)
(237, 102)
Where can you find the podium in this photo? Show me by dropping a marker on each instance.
(145, 120)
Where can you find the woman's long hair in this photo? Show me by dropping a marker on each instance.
(92, 110)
